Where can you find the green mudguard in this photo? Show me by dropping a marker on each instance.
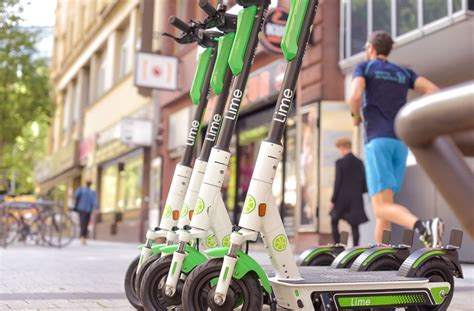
(198, 83)
(193, 259)
(245, 21)
(291, 36)
(244, 265)
(223, 52)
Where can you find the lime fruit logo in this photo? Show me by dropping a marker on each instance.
(249, 204)
(167, 211)
(226, 241)
(184, 211)
(280, 243)
(199, 207)
(211, 241)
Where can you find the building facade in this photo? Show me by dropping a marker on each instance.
(102, 127)
(432, 37)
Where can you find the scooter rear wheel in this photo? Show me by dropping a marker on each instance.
(321, 260)
(435, 270)
(129, 282)
(199, 289)
(384, 264)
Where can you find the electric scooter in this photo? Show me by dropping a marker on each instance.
(182, 175)
(189, 258)
(425, 279)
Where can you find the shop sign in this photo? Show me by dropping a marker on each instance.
(127, 131)
(263, 86)
(136, 132)
(273, 29)
(156, 71)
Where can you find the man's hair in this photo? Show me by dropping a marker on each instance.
(382, 42)
(344, 142)
(88, 183)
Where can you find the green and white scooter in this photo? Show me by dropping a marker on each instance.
(188, 258)
(183, 176)
(425, 279)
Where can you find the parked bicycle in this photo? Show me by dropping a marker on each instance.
(39, 222)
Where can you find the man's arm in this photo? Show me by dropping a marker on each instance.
(425, 86)
(355, 100)
(337, 182)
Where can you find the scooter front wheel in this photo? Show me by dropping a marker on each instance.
(153, 285)
(200, 285)
(141, 273)
(129, 282)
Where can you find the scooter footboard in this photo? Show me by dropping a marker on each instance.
(301, 295)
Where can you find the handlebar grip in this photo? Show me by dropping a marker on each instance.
(207, 7)
(245, 21)
(178, 23)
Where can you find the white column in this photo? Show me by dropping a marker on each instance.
(132, 37)
(111, 52)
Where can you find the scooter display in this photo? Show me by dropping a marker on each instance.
(425, 279)
(182, 177)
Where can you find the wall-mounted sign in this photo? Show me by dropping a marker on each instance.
(156, 71)
(273, 29)
(127, 131)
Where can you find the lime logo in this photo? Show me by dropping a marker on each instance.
(211, 241)
(249, 204)
(184, 211)
(167, 211)
(280, 243)
(226, 241)
(199, 207)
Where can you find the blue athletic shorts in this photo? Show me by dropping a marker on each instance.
(385, 164)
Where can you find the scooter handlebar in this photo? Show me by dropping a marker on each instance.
(178, 23)
(207, 7)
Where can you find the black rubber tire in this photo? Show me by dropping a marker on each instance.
(141, 273)
(384, 264)
(323, 259)
(130, 292)
(436, 270)
(197, 287)
(151, 294)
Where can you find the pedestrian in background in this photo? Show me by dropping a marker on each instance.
(379, 89)
(349, 186)
(85, 204)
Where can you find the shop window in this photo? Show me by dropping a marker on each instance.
(457, 5)
(358, 25)
(381, 15)
(434, 10)
(108, 188)
(131, 182)
(407, 19)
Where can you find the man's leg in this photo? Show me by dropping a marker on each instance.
(83, 224)
(355, 234)
(86, 226)
(335, 229)
(387, 211)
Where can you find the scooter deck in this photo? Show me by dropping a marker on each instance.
(324, 275)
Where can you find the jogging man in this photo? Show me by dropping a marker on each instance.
(379, 89)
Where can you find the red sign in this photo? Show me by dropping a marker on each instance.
(273, 29)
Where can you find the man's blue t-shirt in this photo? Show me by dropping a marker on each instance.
(386, 88)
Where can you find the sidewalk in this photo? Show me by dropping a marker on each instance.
(91, 277)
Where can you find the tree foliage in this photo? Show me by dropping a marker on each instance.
(25, 99)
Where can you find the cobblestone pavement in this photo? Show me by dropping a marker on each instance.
(91, 278)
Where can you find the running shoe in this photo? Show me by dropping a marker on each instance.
(433, 235)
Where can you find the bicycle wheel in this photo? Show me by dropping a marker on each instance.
(58, 229)
(9, 230)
